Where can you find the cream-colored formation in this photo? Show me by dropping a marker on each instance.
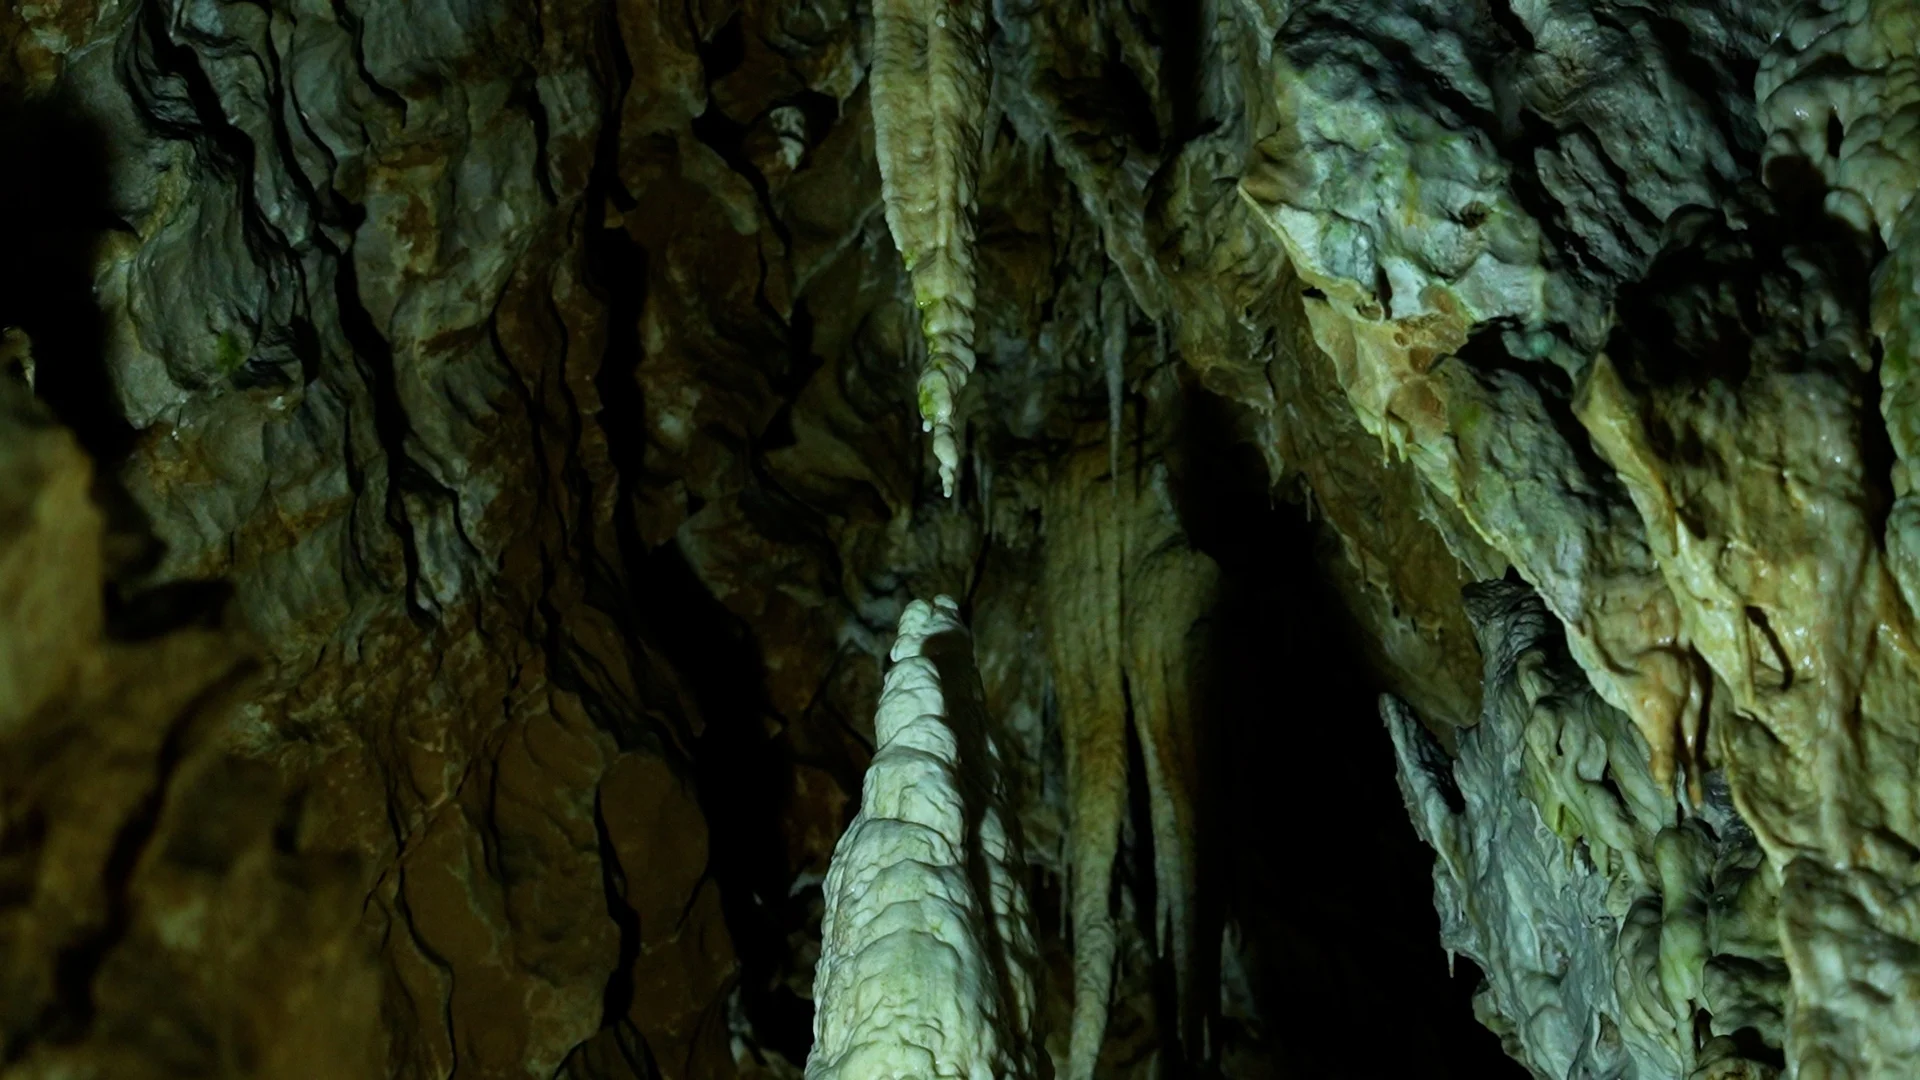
(929, 82)
(1123, 594)
(1831, 787)
(927, 941)
(1854, 64)
(1084, 624)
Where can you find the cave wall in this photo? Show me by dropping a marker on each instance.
(158, 918)
(532, 374)
(539, 377)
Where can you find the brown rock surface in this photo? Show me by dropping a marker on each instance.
(154, 919)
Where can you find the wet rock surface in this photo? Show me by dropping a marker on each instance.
(530, 389)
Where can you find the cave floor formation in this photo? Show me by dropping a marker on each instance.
(822, 539)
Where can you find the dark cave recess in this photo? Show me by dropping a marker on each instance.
(1331, 888)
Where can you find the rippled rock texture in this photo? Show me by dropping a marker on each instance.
(540, 380)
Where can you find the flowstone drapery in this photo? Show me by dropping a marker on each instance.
(1618, 940)
(1619, 283)
(1123, 592)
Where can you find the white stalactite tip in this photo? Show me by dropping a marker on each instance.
(939, 385)
(926, 942)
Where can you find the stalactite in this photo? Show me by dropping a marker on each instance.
(1124, 593)
(1169, 590)
(1085, 641)
(929, 99)
(1113, 361)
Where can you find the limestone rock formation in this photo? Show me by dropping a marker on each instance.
(929, 100)
(155, 920)
(534, 376)
(927, 940)
(1618, 941)
(1123, 593)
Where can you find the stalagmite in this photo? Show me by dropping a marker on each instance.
(533, 374)
(929, 100)
(927, 942)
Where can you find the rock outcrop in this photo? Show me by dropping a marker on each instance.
(156, 918)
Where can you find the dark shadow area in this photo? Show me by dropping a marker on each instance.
(745, 780)
(1784, 294)
(164, 608)
(53, 209)
(953, 658)
(742, 773)
(1183, 59)
(1316, 860)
